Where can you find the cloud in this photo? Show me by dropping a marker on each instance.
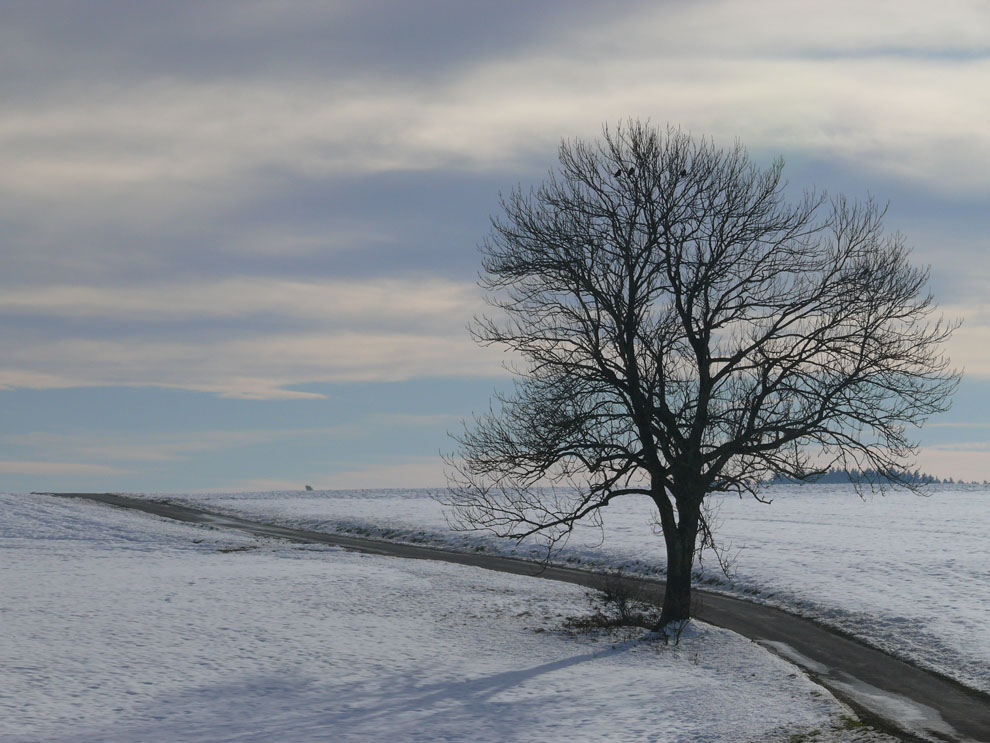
(150, 447)
(892, 91)
(209, 336)
(178, 164)
(47, 469)
(181, 160)
(916, 118)
(962, 446)
(963, 425)
(245, 338)
(351, 304)
(263, 367)
(429, 420)
(779, 28)
(969, 348)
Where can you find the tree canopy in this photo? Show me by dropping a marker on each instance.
(680, 327)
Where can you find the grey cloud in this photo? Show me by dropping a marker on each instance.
(390, 224)
(70, 43)
(162, 143)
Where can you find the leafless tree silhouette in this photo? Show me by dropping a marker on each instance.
(680, 329)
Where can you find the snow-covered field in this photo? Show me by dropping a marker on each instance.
(907, 573)
(123, 627)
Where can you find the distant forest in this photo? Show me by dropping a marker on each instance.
(866, 476)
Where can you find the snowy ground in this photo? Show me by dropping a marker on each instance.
(123, 627)
(906, 573)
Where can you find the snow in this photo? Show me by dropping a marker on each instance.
(906, 573)
(119, 626)
(912, 715)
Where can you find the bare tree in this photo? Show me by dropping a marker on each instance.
(681, 329)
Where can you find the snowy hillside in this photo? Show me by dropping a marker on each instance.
(904, 572)
(124, 627)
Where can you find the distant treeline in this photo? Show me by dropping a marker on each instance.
(865, 476)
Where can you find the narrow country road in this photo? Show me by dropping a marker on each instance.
(888, 693)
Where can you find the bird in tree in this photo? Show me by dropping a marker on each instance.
(672, 339)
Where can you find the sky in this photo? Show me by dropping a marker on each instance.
(239, 239)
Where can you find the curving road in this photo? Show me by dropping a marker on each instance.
(890, 694)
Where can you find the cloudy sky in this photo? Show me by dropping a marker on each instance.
(239, 238)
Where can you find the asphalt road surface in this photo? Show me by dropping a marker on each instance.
(888, 693)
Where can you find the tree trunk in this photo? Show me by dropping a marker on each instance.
(680, 560)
